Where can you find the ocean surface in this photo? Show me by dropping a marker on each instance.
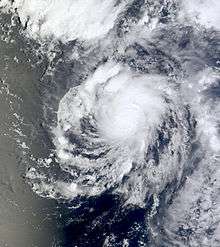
(109, 128)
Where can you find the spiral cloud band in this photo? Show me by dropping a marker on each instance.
(131, 110)
(110, 128)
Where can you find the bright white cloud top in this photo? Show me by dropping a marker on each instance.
(204, 12)
(68, 20)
